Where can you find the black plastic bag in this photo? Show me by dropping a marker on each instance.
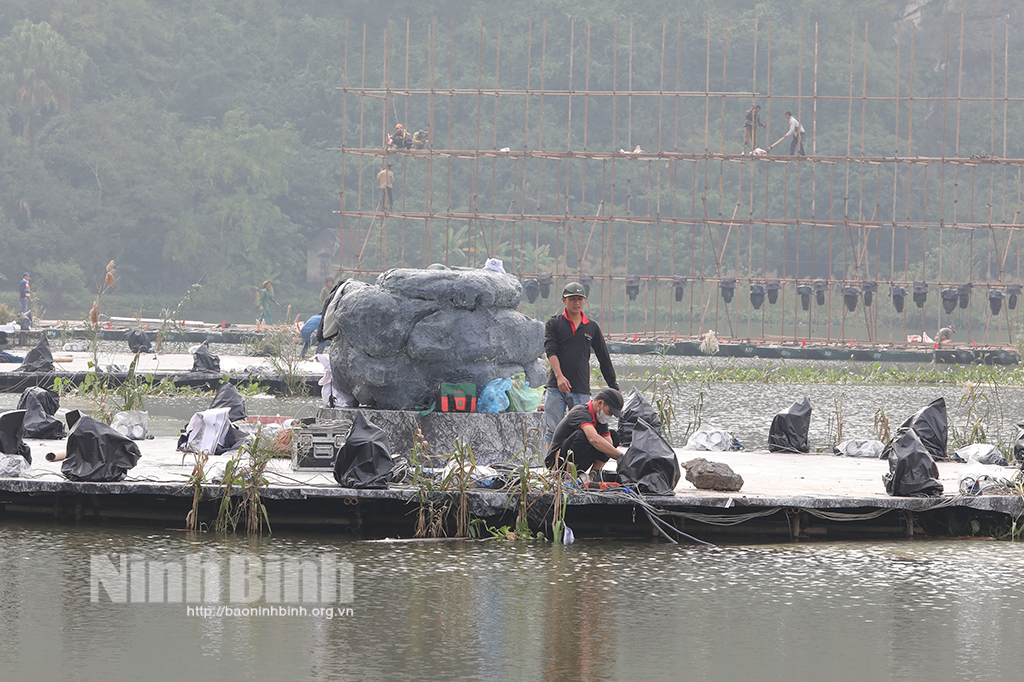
(205, 360)
(1018, 444)
(650, 463)
(228, 396)
(364, 461)
(39, 359)
(40, 405)
(912, 471)
(931, 426)
(789, 428)
(11, 432)
(636, 407)
(138, 341)
(97, 452)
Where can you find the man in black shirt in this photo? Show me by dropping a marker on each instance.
(568, 340)
(582, 437)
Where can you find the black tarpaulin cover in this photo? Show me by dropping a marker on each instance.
(40, 405)
(138, 341)
(912, 471)
(204, 359)
(931, 426)
(364, 461)
(790, 427)
(11, 433)
(650, 462)
(636, 407)
(1018, 444)
(97, 452)
(228, 396)
(39, 359)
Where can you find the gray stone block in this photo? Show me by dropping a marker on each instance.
(506, 437)
(705, 475)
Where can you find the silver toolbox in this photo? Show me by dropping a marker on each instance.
(315, 447)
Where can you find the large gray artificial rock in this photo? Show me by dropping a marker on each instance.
(458, 288)
(401, 338)
(486, 335)
(705, 475)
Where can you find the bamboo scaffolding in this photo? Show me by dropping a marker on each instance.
(638, 231)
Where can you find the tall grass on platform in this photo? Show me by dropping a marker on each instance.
(245, 479)
(196, 480)
(281, 346)
(983, 419)
(103, 289)
(836, 418)
(172, 319)
(109, 395)
(441, 497)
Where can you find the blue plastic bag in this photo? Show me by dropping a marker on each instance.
(492, 398)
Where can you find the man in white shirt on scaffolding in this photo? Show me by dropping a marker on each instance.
(797, 131)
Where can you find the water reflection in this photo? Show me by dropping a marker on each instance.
(595, 610)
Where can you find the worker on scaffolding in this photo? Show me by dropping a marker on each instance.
(750, 123)
(419, 139)
(386, 178)
(400, 139)
(797, 132)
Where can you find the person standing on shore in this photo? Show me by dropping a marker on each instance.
(25, 294)
(264, 299)
(568, 339)
(326, 291)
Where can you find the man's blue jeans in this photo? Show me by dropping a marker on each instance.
(556, 404)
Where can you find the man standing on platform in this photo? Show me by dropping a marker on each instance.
(797, 131)
(386, 178)
(750, 123)
(25, 294)
(568, 339)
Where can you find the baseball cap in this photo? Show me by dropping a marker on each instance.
(575, 289)
(611, 398)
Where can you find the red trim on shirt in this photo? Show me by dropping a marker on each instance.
(593, 417)
(583, 319)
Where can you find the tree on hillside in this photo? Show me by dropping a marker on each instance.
(233, 225)
(38, 72)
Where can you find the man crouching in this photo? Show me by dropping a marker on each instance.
(582, 437)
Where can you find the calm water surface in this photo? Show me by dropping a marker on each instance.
(908, 610)
(911, 610)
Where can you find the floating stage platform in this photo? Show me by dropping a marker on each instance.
(784, 497)
(73, 366)
(952, 355)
